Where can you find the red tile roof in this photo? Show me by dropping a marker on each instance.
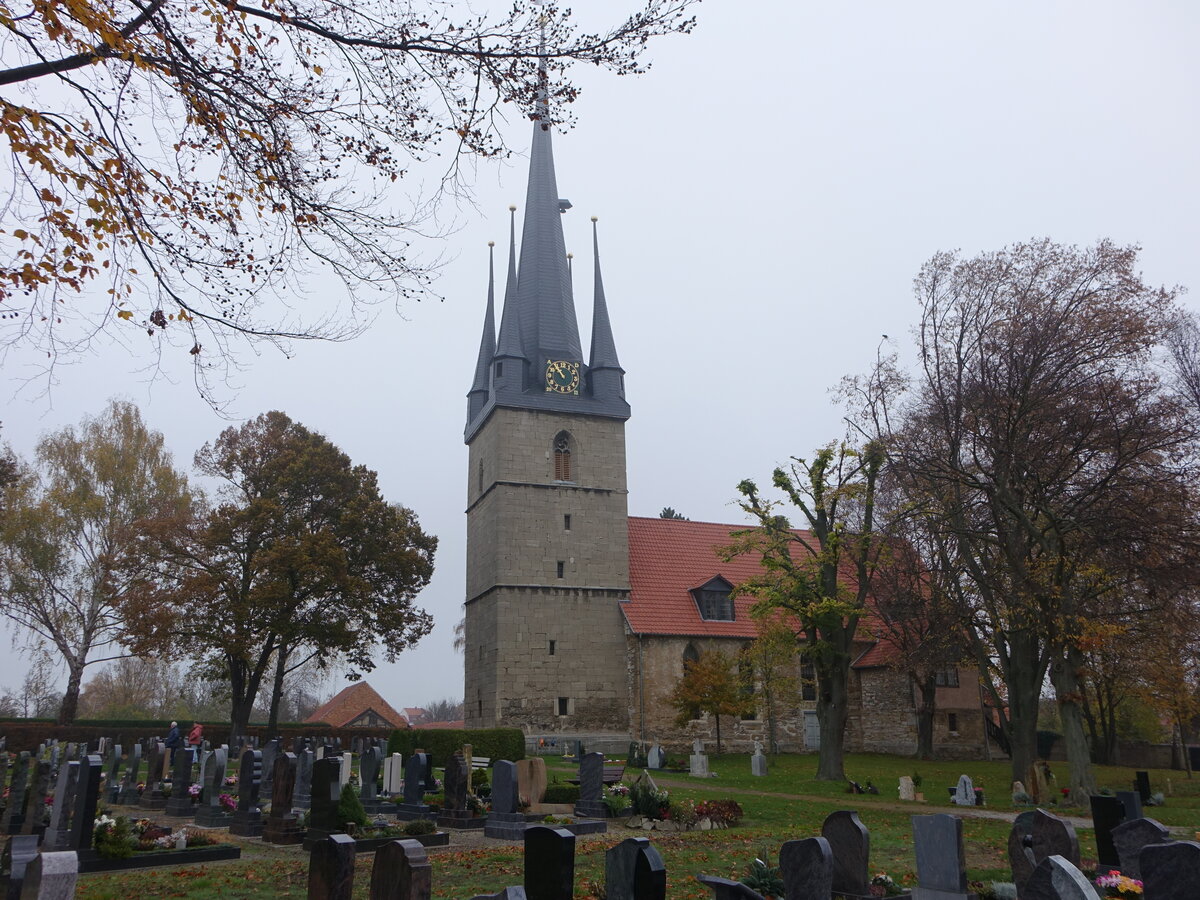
(351, 702)
(883, 653)
(669, 557)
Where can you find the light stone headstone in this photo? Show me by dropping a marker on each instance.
(698, 761)
(964, 794)
(758, 762)
(1057, 879)
(531, 780)
(347, 768)
(908, 790)
(51, 876)
(656, 757)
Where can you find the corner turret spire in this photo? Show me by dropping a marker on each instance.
(604, 348)
(481, 386)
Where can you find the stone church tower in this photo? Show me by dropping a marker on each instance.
(547, 526)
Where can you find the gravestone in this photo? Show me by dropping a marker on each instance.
(1039, 781)
(210, 813)
(19, 852)
(656, 757)
(1020, 849)
(331, 865)
(269, 751)
(724, 889)
(964, 794)
(1132, 801)
(1052, 836)
(35, 799)
(129, 786)
(591, 787)
(87, 798)
(941, 866)
(282, 826)
(326, 792)
(1170, 869)
(347, 768)
(1107, 814)
(505, 820)
(1130, 837)
(454, 810)
(153, 796)
(1056, 879)
(369, 764)
(698, 761)
(180, 803)
(247, 820)
(758, 762)
(14, 812)
(112, 773)
(58, 835)
(393, 775)
(908, 790)
(634, 870)
(516, 892)
(51, 876)
(850, 844)
(806, 867)
(531, 781)
(302, 795)
(549, 863)
(401, 872)
(414, 806)
(1141, 782)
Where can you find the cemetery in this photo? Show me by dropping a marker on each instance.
(322, 819)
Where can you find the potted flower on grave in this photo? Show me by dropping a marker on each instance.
(882, 885)
(764, 878)
(1114, 884)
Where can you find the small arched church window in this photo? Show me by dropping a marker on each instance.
(562, 457)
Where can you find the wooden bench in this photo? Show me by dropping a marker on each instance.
(612, 775)
(481, 762)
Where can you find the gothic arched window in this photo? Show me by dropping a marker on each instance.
(562, 457)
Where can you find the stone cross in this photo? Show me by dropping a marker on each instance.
(850, 844)
(758, 762)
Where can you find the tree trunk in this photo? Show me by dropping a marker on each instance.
(718, 718)
(70, 701)
(1023, 678)
(832, 713)
(925, 712)
(1064, 675)
(769, 708)
(281, 658)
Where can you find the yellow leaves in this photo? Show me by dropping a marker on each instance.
(124, 314)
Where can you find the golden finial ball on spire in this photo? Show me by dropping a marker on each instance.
(595, 218)
(570, 256)
(491, 243)
(512, 207)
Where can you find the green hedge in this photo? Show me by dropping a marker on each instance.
(561, 793)
(441, 743)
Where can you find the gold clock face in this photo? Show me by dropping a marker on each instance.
(562, 377)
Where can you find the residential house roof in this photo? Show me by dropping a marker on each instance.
(352, 702)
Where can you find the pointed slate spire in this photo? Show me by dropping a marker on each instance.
(487, 343)
(509, 345)
(604, 348)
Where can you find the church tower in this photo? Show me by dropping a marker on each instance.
(547, 515)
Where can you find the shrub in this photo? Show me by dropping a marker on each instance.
(683, 813)
(350, 808)
(764, 878)
(441, 743)
(420, 826)
(561, 793)
(647, 801)
(722, 812)
(481, 777)
(112, 838)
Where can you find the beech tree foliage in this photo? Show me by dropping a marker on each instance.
(709, 684)
(300, 561)
(193, 159)
(67, 517)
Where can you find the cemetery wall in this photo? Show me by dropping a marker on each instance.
(25, 735)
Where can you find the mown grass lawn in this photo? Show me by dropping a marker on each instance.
(788, 803)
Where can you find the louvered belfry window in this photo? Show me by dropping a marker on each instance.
(562, 457)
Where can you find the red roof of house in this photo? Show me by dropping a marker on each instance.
(883, 653)
(351, 702)
(670, 557)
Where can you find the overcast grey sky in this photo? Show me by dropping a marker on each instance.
(765, 195)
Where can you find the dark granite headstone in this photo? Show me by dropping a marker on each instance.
(58, 835)
(18, 788)
(549, 863)
(505, 821)
(1056, 879)
(282, 826)
(302, 795)
(455, 785)
(415, 773)
(634, 870)
(129, 794)
(1129, 839)
(153, 796)
(1053, 836)
(1020, 849)
(401, 872)
(35, 799)
(941, 867)
(1132, 801)
(180, 803)
(112, 773)
(87, 798)
(1168, 870)
(269, 751)
(806, 867)
(331, 866)
(1107, 814)
(1141, 782)
(850, 843)
(591, 787)
(369, 764)
(19, 852)
(326, 792)
(724, 889)
(211, 814)
(247, 819)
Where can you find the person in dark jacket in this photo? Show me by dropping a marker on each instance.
(174, 740)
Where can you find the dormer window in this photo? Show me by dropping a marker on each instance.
(714, 600)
